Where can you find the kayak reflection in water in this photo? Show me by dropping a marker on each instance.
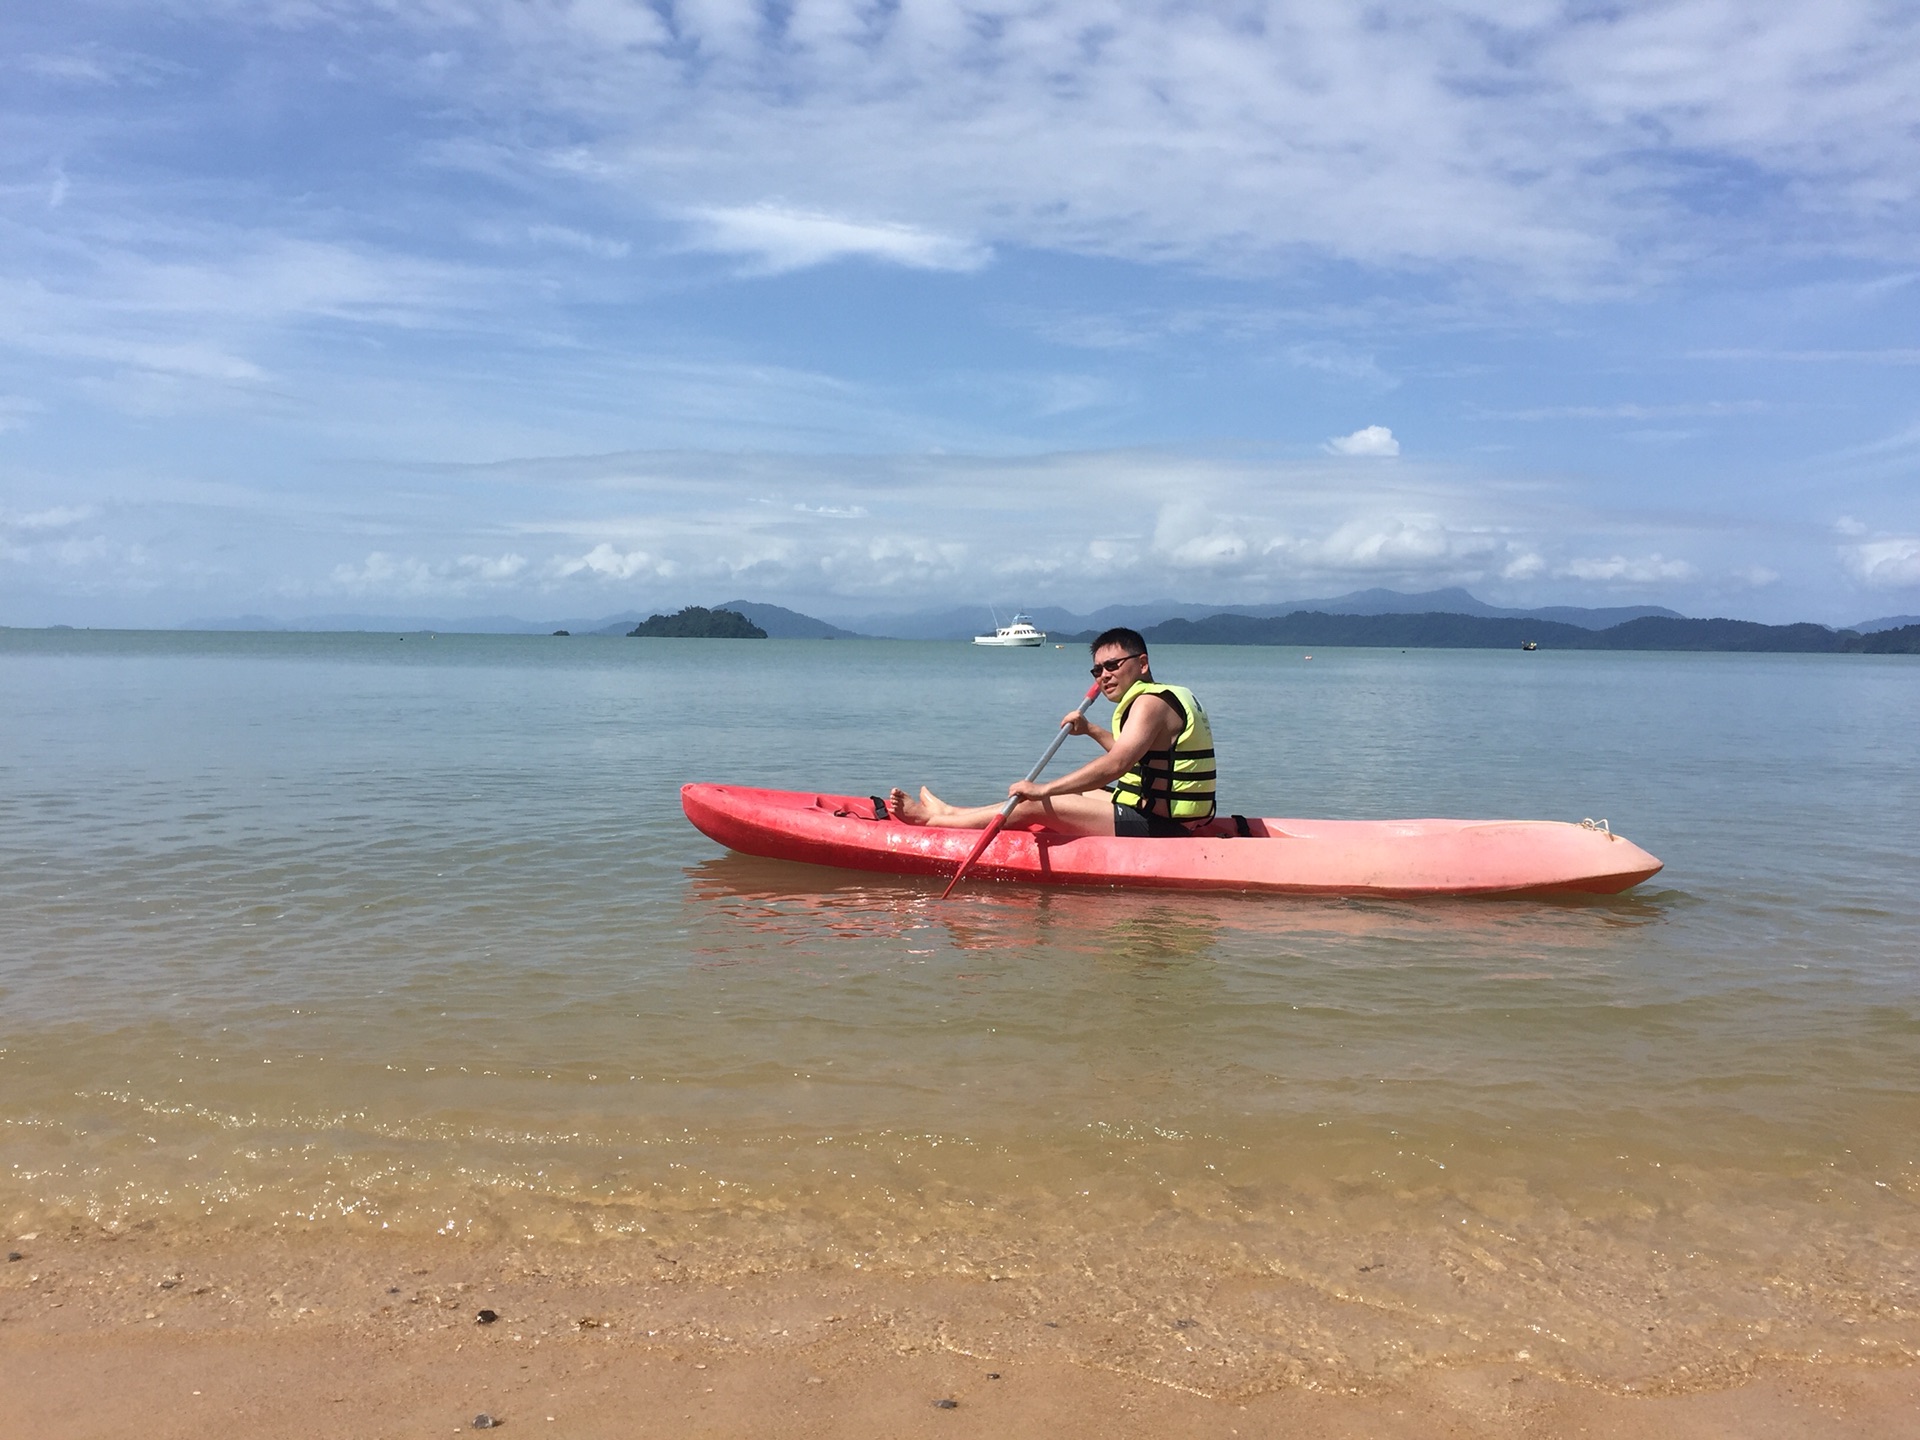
(1156, 778)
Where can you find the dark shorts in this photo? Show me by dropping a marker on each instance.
(1137, 824)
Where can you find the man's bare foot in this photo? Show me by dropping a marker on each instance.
(927, 810)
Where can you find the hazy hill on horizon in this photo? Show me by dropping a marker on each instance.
(779, 622)
(1449, 631)
(962, 622)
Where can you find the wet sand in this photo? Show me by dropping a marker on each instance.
(141, 1334)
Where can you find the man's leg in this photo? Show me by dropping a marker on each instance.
(1086, 814)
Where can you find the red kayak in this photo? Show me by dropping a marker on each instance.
(1286, 857)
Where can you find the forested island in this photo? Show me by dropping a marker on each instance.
(696, 622)
(1473, 632)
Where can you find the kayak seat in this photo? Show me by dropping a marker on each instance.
(1229, 827)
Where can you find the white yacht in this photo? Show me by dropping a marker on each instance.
(1020, 632)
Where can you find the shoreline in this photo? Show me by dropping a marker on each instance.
(293, 1335)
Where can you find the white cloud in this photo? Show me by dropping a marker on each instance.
(1619, 569)
(841, 530)
(385, 574)
(1334, 359)
(51, 543)
(775, 240)
(1545, 143)
(57, 517)
(608, 563)
(1191, 536)
(491, 568)
(1633, 411)
(1889, 564)
(836, 534)
(155, 328)
(95, 64)
(1374, 440)
(571, 239)
(1396, 544)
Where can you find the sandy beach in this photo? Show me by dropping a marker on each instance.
(140, 1334)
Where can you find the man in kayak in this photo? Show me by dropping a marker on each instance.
(1156, 778)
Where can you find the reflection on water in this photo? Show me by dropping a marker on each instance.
(747, 887)
(296, 940)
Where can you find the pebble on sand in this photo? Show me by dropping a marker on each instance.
(484, 1421)
(486, 1317)
(946, 1404)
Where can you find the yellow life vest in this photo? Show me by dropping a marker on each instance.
(1179, 781)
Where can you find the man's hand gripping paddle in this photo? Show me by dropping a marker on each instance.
(993, 826)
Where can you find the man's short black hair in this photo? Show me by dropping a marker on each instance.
(1129, 640)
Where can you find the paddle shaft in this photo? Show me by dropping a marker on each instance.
(993, 826)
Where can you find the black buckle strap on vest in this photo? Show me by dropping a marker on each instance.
(879, 808)
(1241, 828)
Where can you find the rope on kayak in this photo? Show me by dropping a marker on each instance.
(1601, 825)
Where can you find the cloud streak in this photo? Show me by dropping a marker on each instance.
(843, 535)
(1560, 141)
(840, 532)
(1548, 144)
(1373, 442)
(773, 240)
(1891, 563)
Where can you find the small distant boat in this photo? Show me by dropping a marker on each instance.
(1528, 645)
(1020, 632)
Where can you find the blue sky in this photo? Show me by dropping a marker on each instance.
(459, 307)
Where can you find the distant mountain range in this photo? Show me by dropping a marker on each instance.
(959, 624)
(1440, 631)
(779, 623)
(1450, 617)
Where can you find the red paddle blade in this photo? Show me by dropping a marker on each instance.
(993, 829)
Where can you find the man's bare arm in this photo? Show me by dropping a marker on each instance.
(1151, 724)
(1077, 723)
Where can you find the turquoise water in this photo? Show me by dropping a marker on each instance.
(345, 933)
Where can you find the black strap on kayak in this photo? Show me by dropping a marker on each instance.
(879, 808)
(1241, 828)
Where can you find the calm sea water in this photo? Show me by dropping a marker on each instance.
(353, 933)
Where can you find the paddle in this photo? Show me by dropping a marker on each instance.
(993, 826)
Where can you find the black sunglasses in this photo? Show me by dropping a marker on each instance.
(1107, 667)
